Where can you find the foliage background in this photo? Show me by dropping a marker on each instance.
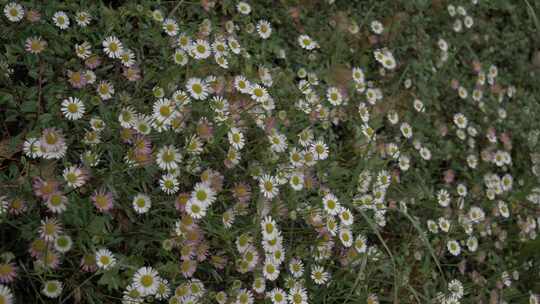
(506, 33)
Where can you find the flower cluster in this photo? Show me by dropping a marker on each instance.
(239, 152)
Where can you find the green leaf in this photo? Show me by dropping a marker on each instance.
(111, 279)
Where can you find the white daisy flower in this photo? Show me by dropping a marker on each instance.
(14, 12)
(269, 228)
(277, 296)
(236, 138)
(377, 27)
(296, 267)
(200, 49)
(141, 203)
(268, 186)
(241, 84)
(234, 45)
(222, 61)
(52, 288)
(170, 26)
(425, 153)
(142, 124)
(318, 275)
(297, 181)
(105, 90)
(194, 145)
(298, 295)
(146, 280)
(331, 204)
(168, 183)
(453, 247)
(334, 96)
(90, 76)
(305, 138)
(164, 110)
(163, 291)
(476, 214)
(112, 47)
(203, 194)
(443, 197)
(184, 42)
(444, 224)
(460, 120)
(220, 47)
(243, 8)
(197, 88)
(157, 15)
(32, 147)
(346, 217)
(61, 20)
(73, 108)
(360, 244)
(127, 58)
(127, 117)
(168, 157)
(196, 209)
(388, 61)
(83, 19)
(63, 243)
(319, 150)
(6, 296)
(180, 57)
(345, 236)
(472, 243)
(468, 21)
(57, 203)
(278, 142)
(83, 50)
(270, 270)
(181, 98)
(306, 42)
(358, 75)
(258, 93)
(105, 259)
(264, 29)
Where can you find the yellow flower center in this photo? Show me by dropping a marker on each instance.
(268, 186)
(197, 88)
(51, 138)
(56, 200)
(147, 280)
(51, 287)
(331, 204)
(103, 89)
(201, 48)
(5, 269)
(105, 260)
(195, 209)
(201, 195)
(168, 156)
(258, 92)
(50, 228)
(72, 108)
(113, 47)
(169, 184)
(140, 202)
(101, 201)
(269, 228)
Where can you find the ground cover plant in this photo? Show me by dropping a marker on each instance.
(291, 151)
